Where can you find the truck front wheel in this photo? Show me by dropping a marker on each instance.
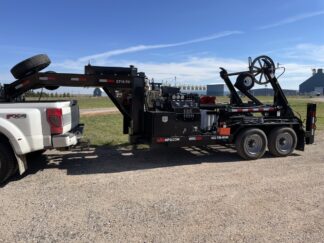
(7, 161)
(282, 141)
(251, 143)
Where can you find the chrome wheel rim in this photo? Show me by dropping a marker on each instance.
(253, 144)
(284, 143)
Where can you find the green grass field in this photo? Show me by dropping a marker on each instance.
(104, 129)
(107, 129)
(94, 102)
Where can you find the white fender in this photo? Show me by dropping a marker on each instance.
(16, 137)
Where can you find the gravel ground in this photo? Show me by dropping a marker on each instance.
(176, 195)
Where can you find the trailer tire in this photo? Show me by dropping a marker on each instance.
(282, 141)
(30, 66)
(251, 143)
(51, 87)
(8, 162)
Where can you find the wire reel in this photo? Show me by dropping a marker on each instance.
(259, 66)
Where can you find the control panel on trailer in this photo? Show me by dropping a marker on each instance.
(162, 115)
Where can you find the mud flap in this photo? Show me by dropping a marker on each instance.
(22, 163)
(310, 123)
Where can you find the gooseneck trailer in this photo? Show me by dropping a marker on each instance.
(162, 115)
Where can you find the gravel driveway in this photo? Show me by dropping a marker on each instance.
(176, 195)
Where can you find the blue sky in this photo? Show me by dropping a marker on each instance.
(187, 39)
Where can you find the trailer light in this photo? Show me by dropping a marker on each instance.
(160, 140)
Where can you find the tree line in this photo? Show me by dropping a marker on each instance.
(32, 93)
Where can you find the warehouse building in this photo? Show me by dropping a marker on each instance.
(216, 89)
(313, 85)
(270, 92)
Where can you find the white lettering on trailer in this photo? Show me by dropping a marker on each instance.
(222, 137)
(118, 81)
(219, 137)
(172, 139)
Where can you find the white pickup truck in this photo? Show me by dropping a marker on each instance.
(27, 127)
(33, 126)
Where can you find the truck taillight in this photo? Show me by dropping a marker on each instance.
(54, 118)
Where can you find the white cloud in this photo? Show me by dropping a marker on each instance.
(298, 60)
(192, 69)
(306, 52)
(292, 19)
(204, 70)
(158, 46)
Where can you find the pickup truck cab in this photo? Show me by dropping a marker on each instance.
(27, 127)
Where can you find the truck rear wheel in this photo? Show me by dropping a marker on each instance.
(251, 143)
(30, 66)
(282, 141)
(7, 161)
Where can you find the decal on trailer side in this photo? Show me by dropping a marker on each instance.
(165, 140)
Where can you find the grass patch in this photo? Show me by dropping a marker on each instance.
(95, 102)
(104, 129)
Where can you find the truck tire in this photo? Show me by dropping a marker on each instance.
(30, 66)
(7, 161)
(282, 141)
(251, 143)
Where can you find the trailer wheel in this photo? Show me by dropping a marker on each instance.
(30, 66)
(7, 161)
(251, 143)
(51, 87)
(282, 141)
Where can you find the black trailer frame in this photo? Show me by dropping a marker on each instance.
(126, 88)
